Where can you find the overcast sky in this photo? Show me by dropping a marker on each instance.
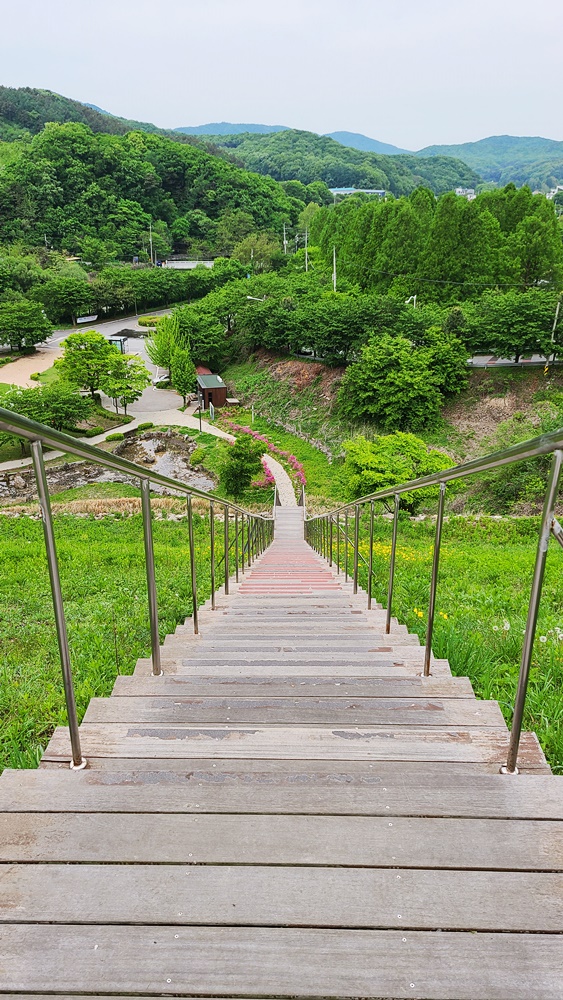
(409, 72)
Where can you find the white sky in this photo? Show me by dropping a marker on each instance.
(409, 72)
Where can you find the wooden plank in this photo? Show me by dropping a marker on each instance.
(280, 686)
(380, 664)
(231, 787)
(504, 845)
(394, 712)
(278, 896)
(338, 743)
(282, 962)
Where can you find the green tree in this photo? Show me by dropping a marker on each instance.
(161, 346)
(183, 373)
(23, 325)
(85, 360)
(58, 405)
(392, 383)
(259, 252)
(125, 379)
(388, 461)
(241, 462)
(65, 297)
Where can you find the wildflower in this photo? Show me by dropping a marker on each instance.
(506, 627)
(495, 628)
(543, 638)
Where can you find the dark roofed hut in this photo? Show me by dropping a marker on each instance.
(211, 389)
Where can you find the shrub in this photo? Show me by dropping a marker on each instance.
(94, 431)
(197, 456)
(35, 376)
(241, 463)
(146, 426)
(147, 320)
(116, 436)
(388, 461)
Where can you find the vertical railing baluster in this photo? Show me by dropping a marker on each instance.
(330, 531)
(356, 546)
(392, 565)
(370, 560)
(338, 543)
(242, 543)
(236, 545)
(537, 582)
(434, 580)
(226, 540)
(212, 544)
(151, 581)
(193, 564)
(78, 761)
(346, 545)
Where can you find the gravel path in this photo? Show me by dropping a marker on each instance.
(283, 482)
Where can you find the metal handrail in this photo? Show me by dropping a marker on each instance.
(39, 435)
(317, 537)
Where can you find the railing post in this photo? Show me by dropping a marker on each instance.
(151, 582)
(236, 545)
(78, 761)
(370, 561)
(535, 594)
(356, 546)
(226, 539)
(212, 545)
(346, 546)
(434, 580)
(392, 565)
(338, 544)
(242, 542)
(193, 564)
(330, 532)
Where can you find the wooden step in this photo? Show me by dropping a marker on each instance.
(280, 685)
(280, 896)
(280, 711)
(383, 789)
(129, 741)
(364, 841)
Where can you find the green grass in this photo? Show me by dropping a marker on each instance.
(96, 491)
(104, 588)
(484, 584)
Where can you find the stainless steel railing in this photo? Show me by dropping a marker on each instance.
(319, 534)
(259, 534)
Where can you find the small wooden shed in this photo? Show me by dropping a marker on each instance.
(211, 389)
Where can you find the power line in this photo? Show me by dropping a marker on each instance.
(448, 281)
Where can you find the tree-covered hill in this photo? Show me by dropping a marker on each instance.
(24, 111)
(96, 194)
(307, 157)
(502, 159)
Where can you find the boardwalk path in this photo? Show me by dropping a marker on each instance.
(291, 810)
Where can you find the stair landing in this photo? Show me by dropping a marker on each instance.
(292, 810)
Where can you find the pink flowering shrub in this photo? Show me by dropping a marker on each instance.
(268, 479)
(297, 472)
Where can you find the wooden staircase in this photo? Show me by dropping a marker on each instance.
(292, 810)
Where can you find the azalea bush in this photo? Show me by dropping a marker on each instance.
(296, 470)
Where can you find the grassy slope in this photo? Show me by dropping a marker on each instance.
(484, 584)
(104, 588)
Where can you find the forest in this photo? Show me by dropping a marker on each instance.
(307, 157)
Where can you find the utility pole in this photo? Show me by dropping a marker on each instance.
(334, 269)
(150, 240)
(306, 250)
